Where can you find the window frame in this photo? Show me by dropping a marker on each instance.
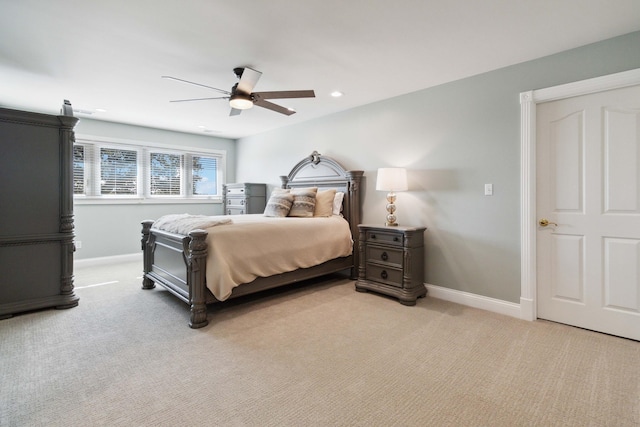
(144, 150)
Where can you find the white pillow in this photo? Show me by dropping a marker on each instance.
(337, 203)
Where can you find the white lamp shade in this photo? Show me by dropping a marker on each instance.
(392, 179)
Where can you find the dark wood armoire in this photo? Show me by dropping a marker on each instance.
(36, 211)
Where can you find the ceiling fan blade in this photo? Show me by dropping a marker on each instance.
(197, 84)
(248, 80)
(286, 94)
(235, 112)
(198, 99)
(274, 107)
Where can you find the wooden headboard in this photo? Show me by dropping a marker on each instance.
(325, 173)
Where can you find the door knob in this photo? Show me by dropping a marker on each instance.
(544, 222)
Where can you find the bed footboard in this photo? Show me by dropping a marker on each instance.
(178, 263)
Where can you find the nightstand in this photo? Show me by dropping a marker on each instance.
(244, 198)
(391, 262)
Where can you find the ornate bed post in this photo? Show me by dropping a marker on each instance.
(196, 263)
(147, 248)
(355, 177)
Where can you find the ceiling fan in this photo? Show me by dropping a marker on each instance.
(242, 96)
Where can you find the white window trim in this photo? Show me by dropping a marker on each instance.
(143, 148)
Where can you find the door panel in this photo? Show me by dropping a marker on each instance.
(621, 161)
(621, 278)
(567, 145)
(567, 270)
(588, 187)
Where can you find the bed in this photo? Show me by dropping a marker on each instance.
(179, 261)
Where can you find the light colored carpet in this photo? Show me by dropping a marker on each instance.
(316, 355)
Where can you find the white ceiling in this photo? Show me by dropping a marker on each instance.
(110, 54)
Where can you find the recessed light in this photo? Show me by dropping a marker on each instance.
(336, 94)
(82, 111)
(207, 130)
(89, 111)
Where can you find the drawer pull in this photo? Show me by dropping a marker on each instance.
(395, 239)
(373, 236)
(384, 274)
(242, 202)
(384, 256)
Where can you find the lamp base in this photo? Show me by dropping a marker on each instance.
(391, 208)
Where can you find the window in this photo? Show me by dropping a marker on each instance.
(165, 174)
(118, 172)
(78, 169)
(205, 181)
(109, 171)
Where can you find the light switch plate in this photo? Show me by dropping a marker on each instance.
(488, 189)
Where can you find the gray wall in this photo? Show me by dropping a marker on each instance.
(108, 230)
(453, 139)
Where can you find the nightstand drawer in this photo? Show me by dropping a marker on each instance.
(382, 237)
(386, 255)
(387, 275)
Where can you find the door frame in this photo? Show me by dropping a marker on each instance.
(528, 103)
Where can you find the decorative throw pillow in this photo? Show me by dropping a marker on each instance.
(324, 203)
(337, 203)
(279, 204)
(304, 201)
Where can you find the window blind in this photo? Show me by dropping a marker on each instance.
(118, 171)
(78, 169)
(165, 174)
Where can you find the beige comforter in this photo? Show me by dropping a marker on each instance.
(257, 246)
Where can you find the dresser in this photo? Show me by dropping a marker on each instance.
(392, 261)
(244, 198)
(36, 211)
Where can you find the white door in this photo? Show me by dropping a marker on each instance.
(588, 183)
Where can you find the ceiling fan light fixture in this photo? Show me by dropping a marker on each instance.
(240, 101)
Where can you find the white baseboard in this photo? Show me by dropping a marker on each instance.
(476, 301)
(527, 309)
(93, 262)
